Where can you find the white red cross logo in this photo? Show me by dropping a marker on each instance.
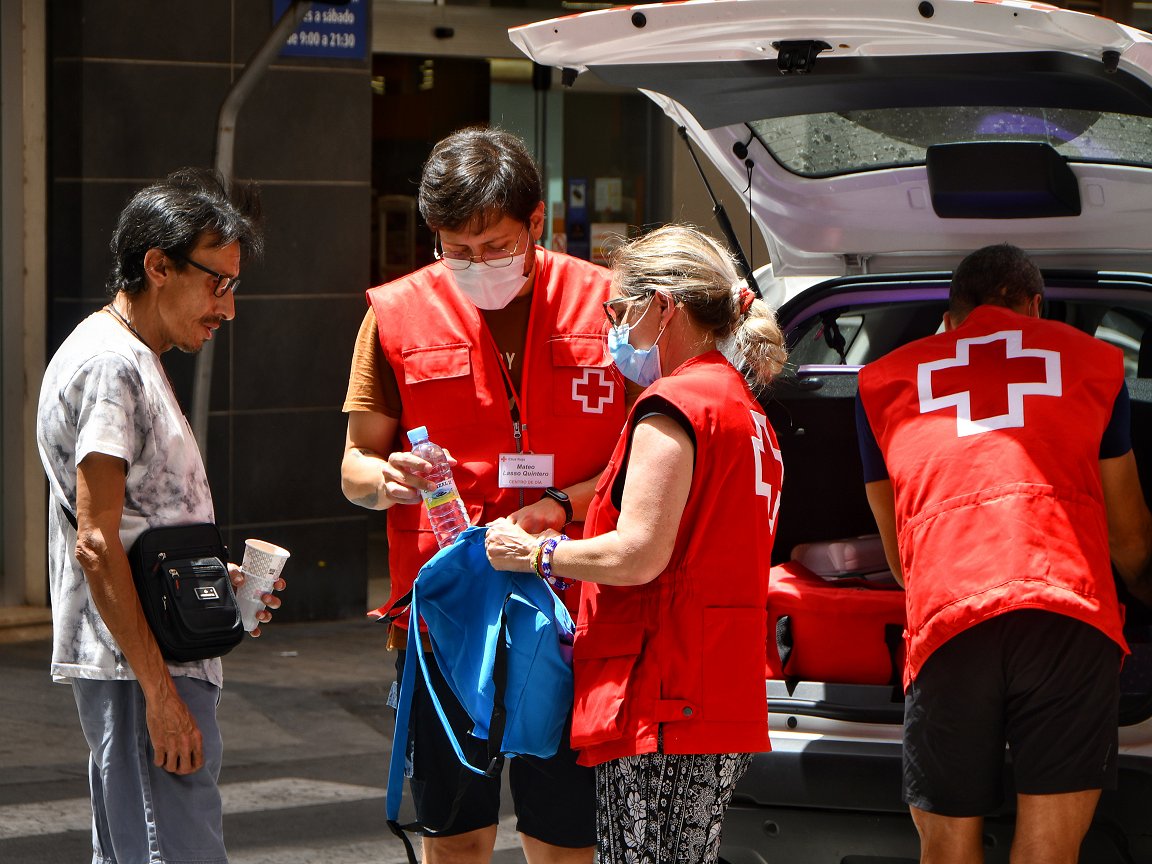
(762, 442)
(987, 381)
(586, 391)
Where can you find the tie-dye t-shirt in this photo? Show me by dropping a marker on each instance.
(105, 391)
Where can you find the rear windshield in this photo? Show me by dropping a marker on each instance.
(821, 145)
(858, 334)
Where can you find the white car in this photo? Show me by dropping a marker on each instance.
(880, 141)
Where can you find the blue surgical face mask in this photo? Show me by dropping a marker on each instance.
(641, 365)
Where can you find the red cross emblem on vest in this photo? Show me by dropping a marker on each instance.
(761, 444)
(987, 380)
(593, 391)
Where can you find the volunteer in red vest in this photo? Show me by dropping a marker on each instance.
(999, 466)
(670, 639)
(498, 348)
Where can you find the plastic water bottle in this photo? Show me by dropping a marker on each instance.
(446, 510)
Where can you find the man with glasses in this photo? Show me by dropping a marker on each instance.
(120, 457)
(498, 347)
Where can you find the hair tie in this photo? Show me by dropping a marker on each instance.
(746, 298)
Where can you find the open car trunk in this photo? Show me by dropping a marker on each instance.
(836, 741)
(832, 330)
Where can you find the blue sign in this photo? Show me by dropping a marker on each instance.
(339, 32)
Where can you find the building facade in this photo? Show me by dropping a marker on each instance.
(99, 98)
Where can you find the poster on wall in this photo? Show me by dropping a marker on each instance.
(609, 197)
(578, 240)
(337, 32)
(606, 236)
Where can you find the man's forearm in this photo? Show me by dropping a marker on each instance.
(580, 496)
(1133, 561)
(882, 501)
(110, 584)
(362, 479)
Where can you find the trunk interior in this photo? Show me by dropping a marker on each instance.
(831, 332)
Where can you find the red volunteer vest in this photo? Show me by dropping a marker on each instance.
(991, 435)
(687, 650)
(571, 396)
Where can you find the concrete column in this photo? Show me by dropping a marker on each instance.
(23, 228)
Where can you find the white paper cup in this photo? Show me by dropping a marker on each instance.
(263, 562)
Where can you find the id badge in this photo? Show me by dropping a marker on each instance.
(526, 470)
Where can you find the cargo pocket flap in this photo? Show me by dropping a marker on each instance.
(581, 350)
(440, 361)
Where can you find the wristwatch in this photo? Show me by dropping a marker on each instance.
(562, 499)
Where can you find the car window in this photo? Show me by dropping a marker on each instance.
(829, 143)
(854, 336)
(868, 332)
(1120, 330)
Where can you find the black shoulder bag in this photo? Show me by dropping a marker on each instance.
(185, 592)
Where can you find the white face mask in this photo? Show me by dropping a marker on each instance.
(491, 287)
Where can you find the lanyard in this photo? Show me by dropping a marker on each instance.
(519, 428)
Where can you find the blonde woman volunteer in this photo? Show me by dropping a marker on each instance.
(669, 652)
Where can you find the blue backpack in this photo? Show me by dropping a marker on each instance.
(503, 641)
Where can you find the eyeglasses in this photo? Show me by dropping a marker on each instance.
(462, 260)
(616, 309)
(223, 284)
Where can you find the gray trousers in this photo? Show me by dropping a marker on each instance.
(142, 814)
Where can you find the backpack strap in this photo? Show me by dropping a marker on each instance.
(400, 741)
(401, 831)
(395, 789)
(499, 716)
(444, 721)
(395, 610)
(399, 751)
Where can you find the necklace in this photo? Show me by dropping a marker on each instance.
(111, 307)
(116, 313)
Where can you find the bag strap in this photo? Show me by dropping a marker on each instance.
(397, 609)
(499, 716)
(396, 763)
(435, 699)
(395, 789)
(400, 740)
(70, 516)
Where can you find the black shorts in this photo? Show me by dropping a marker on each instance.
(1045, 685)
(554, 799)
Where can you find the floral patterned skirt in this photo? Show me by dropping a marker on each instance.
(658, 808)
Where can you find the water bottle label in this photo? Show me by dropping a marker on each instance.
(444, 494)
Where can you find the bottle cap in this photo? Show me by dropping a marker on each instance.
(415, 436)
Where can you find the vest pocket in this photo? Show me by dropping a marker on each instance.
(439, 390)
(603, 659)
(734, 645)
(584, 381)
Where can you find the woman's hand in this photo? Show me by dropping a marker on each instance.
(510, 547)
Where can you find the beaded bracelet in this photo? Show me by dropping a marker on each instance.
(547, 548)
(537, 554)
